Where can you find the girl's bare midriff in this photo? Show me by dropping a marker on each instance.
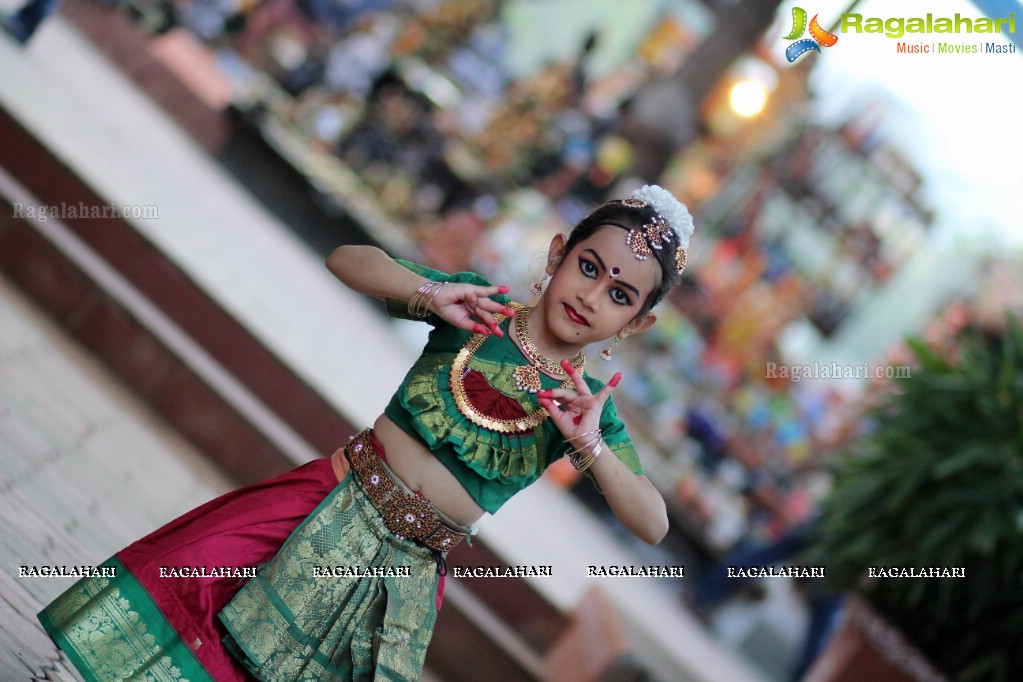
(420, 470)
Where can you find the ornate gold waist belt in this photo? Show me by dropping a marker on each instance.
(405, 514)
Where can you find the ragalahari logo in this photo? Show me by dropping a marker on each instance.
(818, 36)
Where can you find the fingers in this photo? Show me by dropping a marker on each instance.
(468, 311)
(604, 393)
(562, 395)
(557, 412)
(479, 305)
(485, 310)
(553, 409)
(493, 306)
(566, 395)
(577, 378)
(567, 419)
(478, 309)
(568, 401)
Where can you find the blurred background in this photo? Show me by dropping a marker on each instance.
(173, 172)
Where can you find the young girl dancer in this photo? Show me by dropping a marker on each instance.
(350, 550)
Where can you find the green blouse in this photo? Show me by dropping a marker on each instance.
(490, 458)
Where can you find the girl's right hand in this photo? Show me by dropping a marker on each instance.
(469, 307)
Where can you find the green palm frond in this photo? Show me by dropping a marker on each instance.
(938, 482)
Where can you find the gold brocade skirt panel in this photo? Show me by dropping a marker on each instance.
(344, 599)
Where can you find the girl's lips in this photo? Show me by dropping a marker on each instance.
(574, 316)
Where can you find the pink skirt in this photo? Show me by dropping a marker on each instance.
(241, 529)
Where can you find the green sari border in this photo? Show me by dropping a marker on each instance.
(110, 628)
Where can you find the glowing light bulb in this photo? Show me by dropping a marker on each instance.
(748, 98)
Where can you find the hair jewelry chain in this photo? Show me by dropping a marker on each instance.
(672, 217)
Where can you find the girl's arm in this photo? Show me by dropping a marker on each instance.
(370, 271)
(633, 499)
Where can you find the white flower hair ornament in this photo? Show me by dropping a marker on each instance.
(672, 217)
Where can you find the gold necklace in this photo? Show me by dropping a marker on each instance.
(527, 377)
(460, 368)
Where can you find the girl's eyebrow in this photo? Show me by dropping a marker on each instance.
(603, 267)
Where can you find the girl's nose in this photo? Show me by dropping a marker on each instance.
(591, 295)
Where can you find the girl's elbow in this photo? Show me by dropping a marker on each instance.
(653, 531)
(656, 532)
(338, 259)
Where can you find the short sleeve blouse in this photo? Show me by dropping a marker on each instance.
(493, 437)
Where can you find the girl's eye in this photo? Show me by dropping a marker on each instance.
(588, 268)
(620, 297)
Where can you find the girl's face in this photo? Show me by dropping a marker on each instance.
(598, 288)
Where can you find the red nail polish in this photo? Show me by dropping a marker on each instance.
(615, 379)
(503, 289)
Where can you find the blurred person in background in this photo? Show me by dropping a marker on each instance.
(716, 586)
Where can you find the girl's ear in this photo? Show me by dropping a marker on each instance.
(638, 326)
(555, 252)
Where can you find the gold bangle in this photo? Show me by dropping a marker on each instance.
(416, 306)
(413, 301)
(588, 443)
(423, 302)
(433, 295)
(586, 461)
(585, 455)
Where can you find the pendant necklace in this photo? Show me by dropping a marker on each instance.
(527, 377)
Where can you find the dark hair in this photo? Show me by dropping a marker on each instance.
(627, 217)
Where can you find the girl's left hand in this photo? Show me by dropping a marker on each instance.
(578, 411)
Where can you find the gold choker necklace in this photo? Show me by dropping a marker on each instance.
(527, 377)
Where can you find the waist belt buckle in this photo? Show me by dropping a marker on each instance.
(410, 517)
